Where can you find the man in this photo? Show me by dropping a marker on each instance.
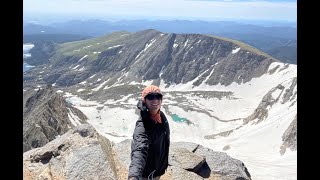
(151, 138)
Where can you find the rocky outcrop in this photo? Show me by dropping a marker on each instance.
(189, 161)
(82, 153)
(222, 134)
(261, 112)
(289, 137)
(285, 95)
(47, 115)
(289, 92)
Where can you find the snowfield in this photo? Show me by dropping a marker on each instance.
(256, 144)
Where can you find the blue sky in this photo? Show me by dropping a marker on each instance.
(284, 10)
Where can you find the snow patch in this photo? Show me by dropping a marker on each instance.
(235, 50)
(79, 90)
(83, 58)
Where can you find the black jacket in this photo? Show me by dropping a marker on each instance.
(150, 147)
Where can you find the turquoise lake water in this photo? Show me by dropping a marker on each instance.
(176, 118)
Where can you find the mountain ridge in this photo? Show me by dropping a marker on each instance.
(165, 52)
(45, 116)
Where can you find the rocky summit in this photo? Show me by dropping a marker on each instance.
(82, 153)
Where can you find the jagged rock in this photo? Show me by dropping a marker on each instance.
(45, 116)
(289, 92)
(289, 137)
(224, 134)
(81, 153)
(261, 112)
(219, 163)
(273, 70)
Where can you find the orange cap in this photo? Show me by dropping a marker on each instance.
(150, 89)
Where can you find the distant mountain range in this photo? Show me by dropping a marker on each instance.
(266, 39)
(56, 38)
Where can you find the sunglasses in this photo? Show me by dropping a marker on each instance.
(154, 96)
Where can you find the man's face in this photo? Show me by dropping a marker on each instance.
(153, 102)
